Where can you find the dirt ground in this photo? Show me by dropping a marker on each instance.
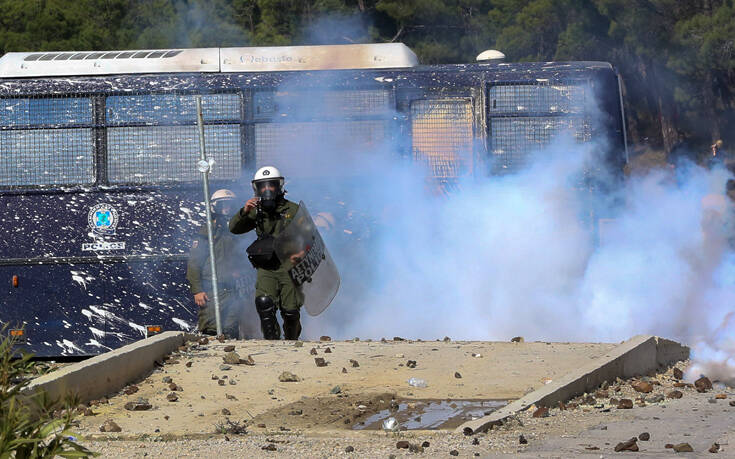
(319, 415)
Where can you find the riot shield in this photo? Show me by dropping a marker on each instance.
(303, 254)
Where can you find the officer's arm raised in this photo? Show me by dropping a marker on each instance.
(244, 220)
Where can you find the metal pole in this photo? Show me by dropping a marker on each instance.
(204, 167)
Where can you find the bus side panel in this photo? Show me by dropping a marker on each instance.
(59, 306)
(140, 294)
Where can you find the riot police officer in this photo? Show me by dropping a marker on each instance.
(268, 213)
(199, 272)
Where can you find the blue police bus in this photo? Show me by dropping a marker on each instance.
(99, 191)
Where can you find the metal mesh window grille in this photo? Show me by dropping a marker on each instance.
(155, 109)
(538, 98)
(160, 154)
(301, 147)
(46, 141)
(524, 118)
(442, 136)
(46, 157)
(335, 104)
(152, 138)
(513, 139)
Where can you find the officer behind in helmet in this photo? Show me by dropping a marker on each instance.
(269, 213)
(199, 273)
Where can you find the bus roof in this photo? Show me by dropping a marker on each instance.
(246, 59)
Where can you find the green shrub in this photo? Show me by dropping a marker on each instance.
(28, 427)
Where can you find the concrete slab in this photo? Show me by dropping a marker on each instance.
(109, 372)
(638, 356)
(488, 370)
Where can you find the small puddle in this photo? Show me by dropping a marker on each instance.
(432, 414)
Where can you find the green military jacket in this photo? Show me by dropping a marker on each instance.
(272, 224)
(198, 268)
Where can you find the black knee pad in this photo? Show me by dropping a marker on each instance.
(265, 305)
(291, 316)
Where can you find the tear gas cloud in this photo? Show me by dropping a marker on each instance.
(516, 255)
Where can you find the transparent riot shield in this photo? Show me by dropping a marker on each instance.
(302, 252)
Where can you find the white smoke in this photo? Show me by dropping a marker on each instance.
(517, 255)
(502, 256)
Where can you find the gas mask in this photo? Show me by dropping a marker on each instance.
(268, 192)
(223, 208)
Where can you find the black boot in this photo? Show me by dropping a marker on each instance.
(268, 323)
(291, 324)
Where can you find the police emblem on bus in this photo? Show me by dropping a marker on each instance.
(102, 219)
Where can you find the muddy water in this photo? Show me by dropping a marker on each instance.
(431, 414)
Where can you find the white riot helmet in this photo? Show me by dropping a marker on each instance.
(267, 174)
(268, 186)
(222, 202)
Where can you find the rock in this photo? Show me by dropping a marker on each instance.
(231, 358)
(215, 377)
(678, 374)
(457, 375)
(344, 370)
(131, 389)
(354, 363)
(645, 436)
(349, 449)
(732, 402)
(188, 364)
(629, 445)
(172, 397)
(320, 362)
(642, 386)
(248, 361)
(590, 400)
(110, 426)
(475, 441)
(221, 382)
(327, 351)
(517, 339)
(221, 338)
(229, 348)
(683, 448)
(425, 444)
(541, 412)
(415, 448)
(203, 341)
(714, 448)
(325, 338)
(562, 406)
(625, 404)
(230, 397)
(721, 396)
(674, 394)
(225, 411)
(411, 364)
(402, 444)
(313, 351)
(522, 440)
(703, 384)
(139, 405)
(298, 344)
(269, 447)
(287, 376)
(680, 384)
(296, 412)
(454, 452)
(602, 393)
(167, 417)
(224, 367)
(167, 379)
(232, 382)
(336, 390)
(656, 398)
